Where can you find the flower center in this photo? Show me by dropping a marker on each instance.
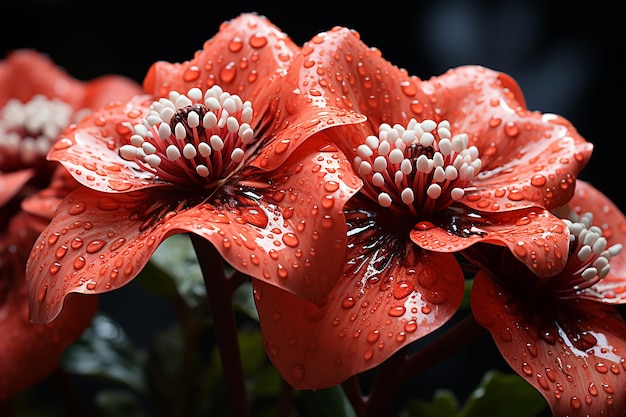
(194, 138)
(589, 259)
(421, 167)
(27, 130)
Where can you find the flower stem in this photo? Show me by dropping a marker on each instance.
(220, 293)
(458, 337)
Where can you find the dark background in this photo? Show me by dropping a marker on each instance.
(563, 54)
(565, 58)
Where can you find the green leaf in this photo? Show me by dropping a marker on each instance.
(243, 300)
(325, 402)
(465, 303)
(444, 404)
(114, 403)
(176, 257)
(505, 395)
(104, 351)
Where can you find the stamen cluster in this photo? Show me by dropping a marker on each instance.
(27, 130)
(198, 138)
(421, 166)
(590, 256)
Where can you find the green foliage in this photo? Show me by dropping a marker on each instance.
(498, 395)
(104, 352)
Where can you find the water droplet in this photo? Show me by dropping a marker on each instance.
(410, 326)
(119, 185)
(79, 263)
(77, 208)
(408, 88)
(95, 245)
(511, 129)
(91, 286)
(43, 290)
(282, 146)
(54, 268)
(108, 204)
(602, 368)
(60, 252)
(397, 311)
(257, 41)
(423, 226)
(52, 239)
(282, 271)
(228, 72)
(538, 180)
(348, 302)
(297, 371)
(328, 202)
(255, 217)
(191, 74)
(290, 240)
(373, 336)
(403, 289)
(117, 243)
(575, 402)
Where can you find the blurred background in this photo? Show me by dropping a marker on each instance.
(564, 55)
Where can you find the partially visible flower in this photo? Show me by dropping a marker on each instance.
(38, 100)
(191, 155)
(446, 163)
(563, 333)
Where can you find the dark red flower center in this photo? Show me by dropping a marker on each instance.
(420, 168)
(198, 138)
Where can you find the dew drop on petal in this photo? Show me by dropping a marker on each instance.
(397, 311)
(191, 74)
(290, 240)
(95, 245)
(76, 208)
(538, 180)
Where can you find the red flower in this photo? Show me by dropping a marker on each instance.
(192, 156)
(37, 101)
(562, 333)
(446, 163)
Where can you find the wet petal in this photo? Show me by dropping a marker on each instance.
(90, 150)
(612, 288)
(25, 73)
(241, 57)
(94, 244)
(382, 303)
(291, 233)
(30, 351)
(571, 352)
(535, 236)
(336, 70)
(528, 157)
(11, 183)
(45, 202)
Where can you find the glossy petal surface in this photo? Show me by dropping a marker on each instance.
(528, 158)
(572, 352)
(382, 303)
(535, 236)
(287, 228)
(100, 136)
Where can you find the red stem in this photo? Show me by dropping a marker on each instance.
(220, 292)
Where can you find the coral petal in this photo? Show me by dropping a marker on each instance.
(367, 317)
(572, 352)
